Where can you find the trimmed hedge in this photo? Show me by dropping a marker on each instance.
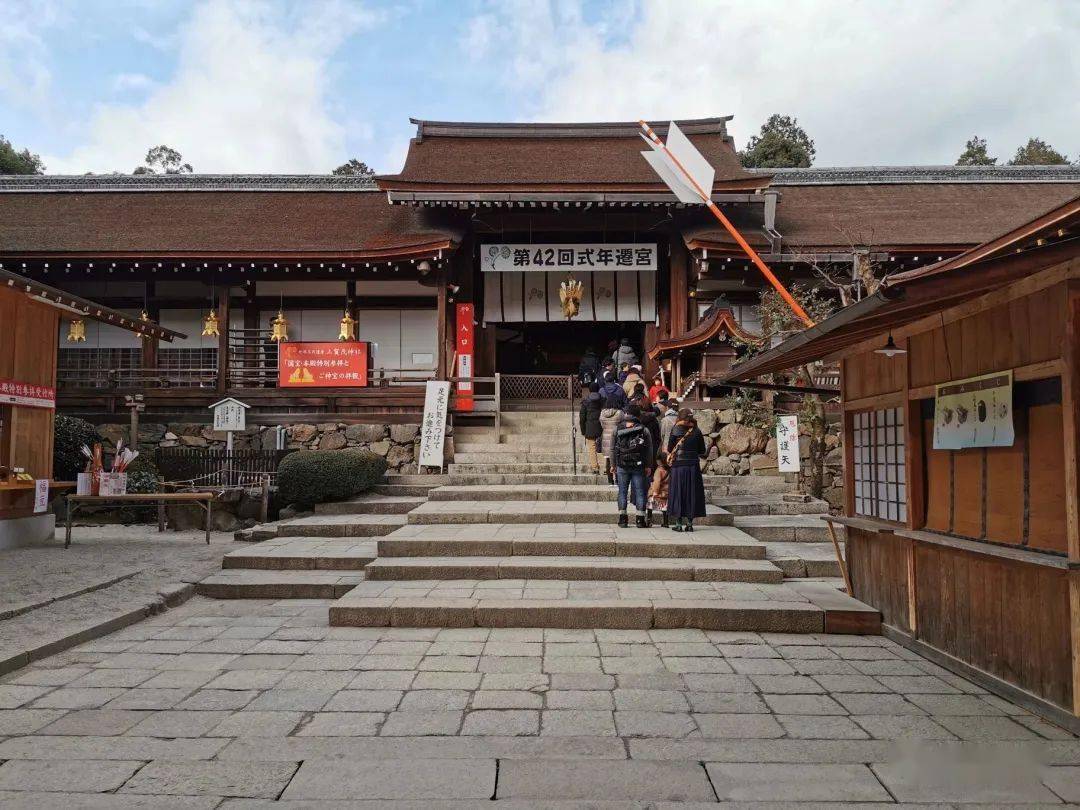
(70, 434)
(308, 477)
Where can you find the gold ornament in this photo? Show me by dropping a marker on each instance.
(348, 327)
(570, 295)
(279, 328)
(144, 316)
(210, 325)
(77, 331)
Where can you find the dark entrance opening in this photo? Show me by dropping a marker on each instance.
(557, 347)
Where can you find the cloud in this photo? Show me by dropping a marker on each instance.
(249, 94)
(132, 83)
(894, 81)
(25, 77)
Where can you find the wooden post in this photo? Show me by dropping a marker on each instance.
(679, 289)
(223, 341)
(840, 559)
(150, 345)
(1070, 402)
(915, 466)
(440, 323)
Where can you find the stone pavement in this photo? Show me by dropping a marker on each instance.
(112, 574)
(256, 703)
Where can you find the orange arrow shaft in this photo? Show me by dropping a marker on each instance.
(789, 299)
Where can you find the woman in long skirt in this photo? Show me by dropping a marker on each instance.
(686, 495)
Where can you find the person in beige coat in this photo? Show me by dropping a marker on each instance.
(632, 379)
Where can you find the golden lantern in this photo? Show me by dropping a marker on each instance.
(348, 327)
(570, 295)
(279, 328)
(210, 325)
(77, 331)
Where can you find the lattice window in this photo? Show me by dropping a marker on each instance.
(880, 475)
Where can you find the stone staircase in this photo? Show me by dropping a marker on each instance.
(519, 536)
(516, 534)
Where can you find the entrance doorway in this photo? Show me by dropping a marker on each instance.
(557, 347)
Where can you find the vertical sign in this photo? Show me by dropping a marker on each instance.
(433, 428)
(41, 495)
(463, 345)
(787, 443)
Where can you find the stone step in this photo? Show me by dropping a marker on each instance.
(605, 541)
(536, 419)
(340, 526)
(369, 504)
(514, 439)
(801, 560)
(786, 528)
(526, 492)
(303, 554)
(403, 490)
(568, 604)
(724, 485)
(507, 468)
(466, 480)
(417, 479)
(443, 512)
(515, 457)
(531, 445)
(574, 568)
(261, 584)
(770, 505)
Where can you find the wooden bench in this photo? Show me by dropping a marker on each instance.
(205, 500)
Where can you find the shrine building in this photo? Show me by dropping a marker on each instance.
(256, 271)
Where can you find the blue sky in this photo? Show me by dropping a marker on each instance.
(281, 85)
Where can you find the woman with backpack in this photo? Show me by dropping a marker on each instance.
(589, 422)
(686, 495)
(609, 422)
(634, 455)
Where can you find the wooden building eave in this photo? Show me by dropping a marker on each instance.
(721, 324)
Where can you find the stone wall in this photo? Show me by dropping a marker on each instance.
(740, 449)
(398, 444)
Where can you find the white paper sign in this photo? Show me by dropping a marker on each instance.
(977, 412)
(433, 428)
(230, 414)
(41, 495)
(503, 258)
(787, 443)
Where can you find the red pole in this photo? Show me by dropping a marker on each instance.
(731, 229)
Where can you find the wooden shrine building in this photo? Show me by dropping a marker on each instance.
(961, 404)
(494, 216)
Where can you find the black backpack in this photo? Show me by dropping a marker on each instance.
(630, 447)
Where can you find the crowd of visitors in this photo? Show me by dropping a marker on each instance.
(641, 440)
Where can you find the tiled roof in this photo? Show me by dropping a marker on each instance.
(184, 182)
(905, 175)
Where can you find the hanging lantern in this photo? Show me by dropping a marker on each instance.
(77, 331)
(348, 327)
(210, 325)
(279, 328)
(570, 295)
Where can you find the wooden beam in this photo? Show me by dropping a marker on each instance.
(441, 315)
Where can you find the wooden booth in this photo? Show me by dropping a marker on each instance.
(30, 316)
(961, 389)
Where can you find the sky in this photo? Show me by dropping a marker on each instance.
(301, 86)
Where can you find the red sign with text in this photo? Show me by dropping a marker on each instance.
(323, 365)
(463, 345)
(29, 395)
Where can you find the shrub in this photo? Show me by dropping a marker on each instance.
(308, 477)
(143, 476)
(70, 434)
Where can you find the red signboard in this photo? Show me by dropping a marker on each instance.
(464, 348)
(323, 365)
(29, 395)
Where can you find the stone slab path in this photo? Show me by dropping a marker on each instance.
(249, 704)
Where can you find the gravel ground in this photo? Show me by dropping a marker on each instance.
(48, 593)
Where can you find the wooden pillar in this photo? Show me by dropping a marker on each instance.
(1070, 403)
(441, 315)
(251, 307)
(678, 286)
(223, 341)
(150, 345)
(915, 468)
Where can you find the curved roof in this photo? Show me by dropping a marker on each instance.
(721, 322)
(561, 157)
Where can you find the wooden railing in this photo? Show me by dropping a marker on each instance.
(204, 466)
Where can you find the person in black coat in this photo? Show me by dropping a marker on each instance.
(649, 421)
(686, 495)
(589, 422)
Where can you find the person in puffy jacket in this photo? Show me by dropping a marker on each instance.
(686, 496)
(589, 422)
(609, 422)
(633, 379)
(611, 390)
(625, 354)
